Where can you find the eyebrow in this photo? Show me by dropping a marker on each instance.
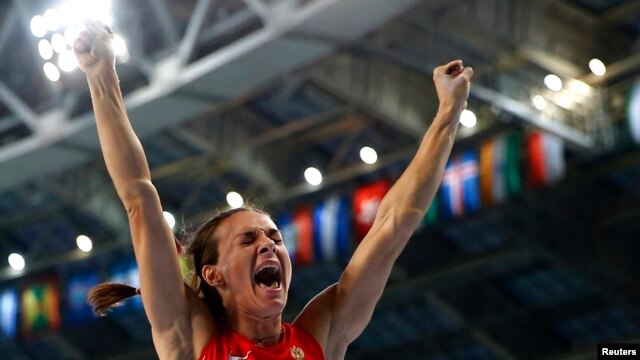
(268, 231)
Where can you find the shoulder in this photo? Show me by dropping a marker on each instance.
(316, 321)
(215, 348)
(303, 344)
(203, 327)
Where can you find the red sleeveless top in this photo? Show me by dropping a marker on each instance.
(296, 344)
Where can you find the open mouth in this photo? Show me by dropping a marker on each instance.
(268, 277)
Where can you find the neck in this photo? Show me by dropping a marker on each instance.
(263, 332)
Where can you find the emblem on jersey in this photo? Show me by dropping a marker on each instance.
(297, 353)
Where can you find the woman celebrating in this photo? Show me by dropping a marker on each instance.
(235, 309)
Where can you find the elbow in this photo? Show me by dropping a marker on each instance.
(135, 194)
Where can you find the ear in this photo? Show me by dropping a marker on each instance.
(212, 275)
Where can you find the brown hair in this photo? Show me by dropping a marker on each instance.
(202, 250)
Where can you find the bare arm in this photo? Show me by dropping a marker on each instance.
(339, 315)
(164, 296)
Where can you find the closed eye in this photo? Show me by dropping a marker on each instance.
(275, 235)
(248, 238)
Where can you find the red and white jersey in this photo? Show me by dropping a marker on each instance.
(296, 344)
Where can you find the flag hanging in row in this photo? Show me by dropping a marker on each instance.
(460, 192)
(8, 314)
(500, 174)
(331, 230)
(324, 232)
(546, 164)
(39, 306)
(366, 200)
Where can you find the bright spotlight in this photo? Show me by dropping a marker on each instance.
(169, 218)
(368, 155)
(58, 43)
(52, 19)
(234, 199)
(51, 71)
(67, 61)
(45, 49)
(553, 82)
(468, 118)
(597, 67)
(313, 176)
(539, 102)
(16, 261)
(120, 48)
(71, 34)
(84, 243)
(38, 26)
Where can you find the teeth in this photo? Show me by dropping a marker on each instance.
(266, 267)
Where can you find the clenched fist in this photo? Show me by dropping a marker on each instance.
(93, 48)
(452, 83)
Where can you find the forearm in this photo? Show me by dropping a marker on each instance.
(416, 187)
(121, 148)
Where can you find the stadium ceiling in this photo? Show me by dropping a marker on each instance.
(244, 94)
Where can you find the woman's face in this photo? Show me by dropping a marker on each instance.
(253, 265)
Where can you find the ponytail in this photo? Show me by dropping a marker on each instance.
(105, 296)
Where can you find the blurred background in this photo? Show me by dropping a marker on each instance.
(311, 109)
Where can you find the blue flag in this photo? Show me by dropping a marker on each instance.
(289, 232)
(470, 181)
(460, 185)
(331, 224)
(8, 313)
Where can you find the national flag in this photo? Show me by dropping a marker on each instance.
(493, 184)
(535, 153)
(486, 172)
(8, 314)
(39, 306)
(546, 159)
(513, 169)
(303, 220)
(297, 233)
(460, 185)
(470, 181)
(289, 233)
(78, 286)
(633, 113)
(331, 224)
(366, 200)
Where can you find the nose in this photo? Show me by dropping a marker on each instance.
(265, 244)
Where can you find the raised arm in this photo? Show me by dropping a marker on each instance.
(166, 301)
(338, 316)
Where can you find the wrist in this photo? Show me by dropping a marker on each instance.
(100, 71)
(103, 81)
(448, 110)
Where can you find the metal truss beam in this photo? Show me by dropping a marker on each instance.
(19, 108)
(190, 38)
(169, 31)
(236, 69)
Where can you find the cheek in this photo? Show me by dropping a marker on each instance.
(286, 261)
(234, 265)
